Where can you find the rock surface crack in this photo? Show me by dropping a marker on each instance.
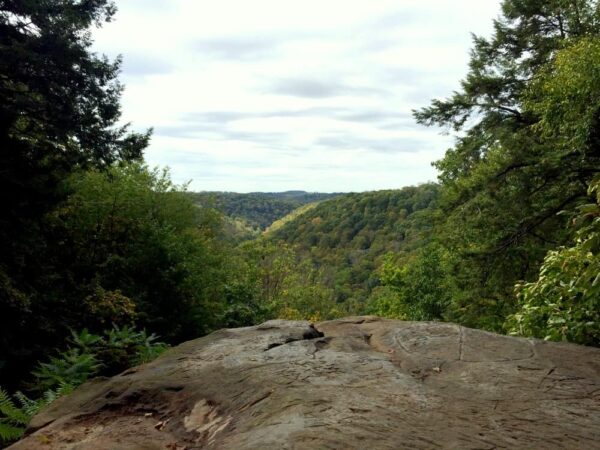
(311, 333)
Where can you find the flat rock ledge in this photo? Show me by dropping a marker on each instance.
(355, 383)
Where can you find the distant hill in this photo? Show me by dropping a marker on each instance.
(347, 236)
(258, 209)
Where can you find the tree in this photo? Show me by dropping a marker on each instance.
(130, 230)
(126, 247)
(507, 177)
(418, 289)
(60, 105)
(59, 111)
(564, 302)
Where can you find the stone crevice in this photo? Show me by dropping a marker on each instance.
(310, 334)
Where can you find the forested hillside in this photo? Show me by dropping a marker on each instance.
(258, 209)
(348, 236)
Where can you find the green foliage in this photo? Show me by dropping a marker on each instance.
(528, 145)
(12, 419)
(385, 301)
(109, 307)
(127, 247)
(151, 243)
(114, 351)
(90, 354)
(60, 112)
(564, 302)
(117, 349)
(125, 347)
(416, 290)
(566, 97)
(147, 349)
(269, 280)
(72, 367)
(305, 297)
(346, 238)
(15, 417)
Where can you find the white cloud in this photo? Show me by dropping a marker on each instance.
(279, 94)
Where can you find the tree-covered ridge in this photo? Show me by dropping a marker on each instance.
(346, 237)
(258, 209)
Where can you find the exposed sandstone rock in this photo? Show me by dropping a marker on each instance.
(357, 383)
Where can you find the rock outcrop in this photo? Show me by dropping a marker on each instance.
(356, 383)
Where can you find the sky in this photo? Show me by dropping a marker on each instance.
(275, 95)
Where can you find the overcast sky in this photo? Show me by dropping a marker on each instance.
(273, 95)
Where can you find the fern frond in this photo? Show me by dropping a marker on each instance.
(49, 396)
(28, 406)
(10, 433)
(12, 419)
(12, 413)
(5, 400)
(64, 389)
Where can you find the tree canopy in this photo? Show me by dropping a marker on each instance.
(60, 109)
(527, 122)
(59, 112)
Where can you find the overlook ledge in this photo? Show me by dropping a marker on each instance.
(354, 383)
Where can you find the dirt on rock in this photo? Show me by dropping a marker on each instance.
(355, 383)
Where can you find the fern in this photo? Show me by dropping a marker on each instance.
(13, 419)
(70, 367)
(52, 394)
(147, 349)
(12, 413)
(123, 337)
(86, 341)
(10, 433)
(130, 347)
(28, 406)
